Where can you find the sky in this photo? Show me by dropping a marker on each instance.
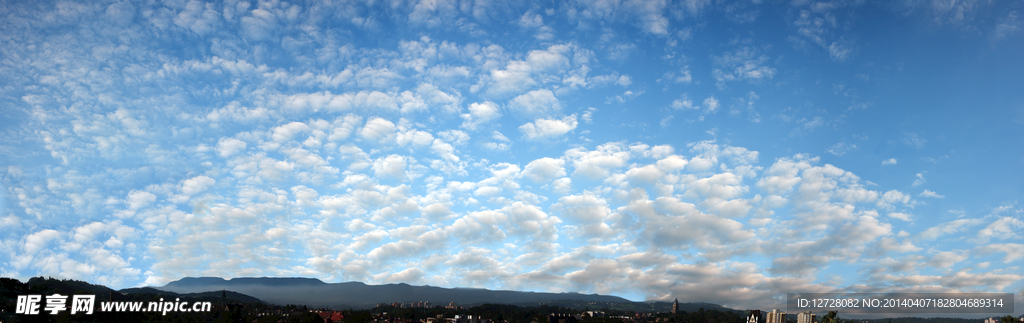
(719, 151)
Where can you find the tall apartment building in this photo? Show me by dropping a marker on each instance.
(805, 317)
(775, 316)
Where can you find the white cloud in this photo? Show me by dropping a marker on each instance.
(588, 116)
(433, 13)
(818, 25)
(195, 185)
(409, 276)
(1002, 228)
(537, 103)
(684, 103)
(227, 147)
(140, 199)
(1009, 25)
(544, 170)
(413, 137)
(596, 164)
(199, 17)
(927, 193)
(260, 25)
(288, 132)
(121, 13)
(343, 127)
(950, 227)
(378, 130)
(392, 166)
(548, 128)
(890, 161)
(454, 137)
(665, 122)
(842, 148)
(890, 198)
(530, 20)
(1013, 251)
(39, 241)
(710, 105)
(480, 114)
(901, 216)
(649, 15)
(918, 180)
(743, 64)
(913, 140)
(500, 143)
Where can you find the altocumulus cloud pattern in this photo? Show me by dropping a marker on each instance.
(708, 151)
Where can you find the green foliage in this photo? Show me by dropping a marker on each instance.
(831, 317)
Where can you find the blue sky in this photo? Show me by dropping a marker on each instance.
(726, 152)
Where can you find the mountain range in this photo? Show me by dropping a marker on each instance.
(356, 295)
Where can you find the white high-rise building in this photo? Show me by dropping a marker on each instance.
(805, 317)
(775, 316)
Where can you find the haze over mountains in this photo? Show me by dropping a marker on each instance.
(314, 292)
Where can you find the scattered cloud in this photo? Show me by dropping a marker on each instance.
(145, 142)
(480, 114)
(913, 140)
(918, 180)
(1009, 25)
(842, 148)
(710, 105)
(927, 193)
(538, 103)
(746, 63)
(548, 128)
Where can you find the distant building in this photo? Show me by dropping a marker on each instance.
(331, 316)
(562, 318)
(466, 319)
(805, 317)
(675, 306)
(991, 320)
(775, 316)
(755, 317)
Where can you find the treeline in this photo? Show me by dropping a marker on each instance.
(704, 316)
(527, 314)
(922, 320)
(494, 312)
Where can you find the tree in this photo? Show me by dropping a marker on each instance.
(1008, 319)
(831, 317)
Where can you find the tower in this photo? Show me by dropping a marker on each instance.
(675, 306)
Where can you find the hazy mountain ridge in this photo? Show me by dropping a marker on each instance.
(11, 288)
(314, 292)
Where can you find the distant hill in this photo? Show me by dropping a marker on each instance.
(313, 292)
(10, 289)
(211, 296)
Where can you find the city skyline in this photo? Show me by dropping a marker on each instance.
(722, 152)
